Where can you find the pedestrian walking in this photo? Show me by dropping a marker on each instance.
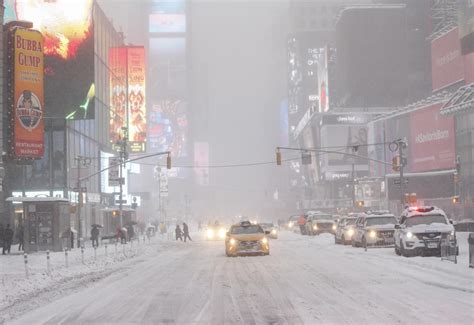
(7, 239)
(95, 236)
(179, 233)
(20, 236)
(186, 232)
(2, 234)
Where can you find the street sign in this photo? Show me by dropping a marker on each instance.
(396, 181)
(114, 171)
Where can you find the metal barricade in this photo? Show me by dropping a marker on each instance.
(449, 248)
(470, 241)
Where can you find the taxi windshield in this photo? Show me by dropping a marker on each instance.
(350, 222)
(425, 220)
(381, 221)
(266, 225)
(239, 230)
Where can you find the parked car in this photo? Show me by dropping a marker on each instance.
(345, 230)
(421, 230)
(374, 229)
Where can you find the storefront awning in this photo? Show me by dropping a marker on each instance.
(462, 100)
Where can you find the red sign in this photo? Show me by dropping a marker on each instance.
(447, 65)
(432, 140)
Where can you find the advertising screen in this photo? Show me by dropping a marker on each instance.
(201, 162)
(167, 127)
(28, 101)
(323, 80)
(446, 60)
(136, 98)
(67, 28)
(118, 90)
(432, 140)
(167, 23)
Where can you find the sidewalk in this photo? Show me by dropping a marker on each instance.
(16, 287)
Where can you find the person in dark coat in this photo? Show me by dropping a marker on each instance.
(186, 232)
(95, 236)
(7, 239)
(2, 233)
(179, 233)
(20, 236)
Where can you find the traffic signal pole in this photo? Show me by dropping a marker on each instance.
(402, 145)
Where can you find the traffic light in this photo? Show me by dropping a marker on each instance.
(278, 157)
(360, 204)
(168, 162)
(410, 198)
(455, 199)
(396, 163)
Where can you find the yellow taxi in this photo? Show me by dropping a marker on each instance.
(246, 238)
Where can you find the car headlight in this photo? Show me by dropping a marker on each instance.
(290, 224)
(315, 227)
(372, 234)
(274, 231)
(409, 235)
(264, 240)
(210, 233)
(222, 233)
(334, 227)
(350, 232)
(232, 241)
(452, 233)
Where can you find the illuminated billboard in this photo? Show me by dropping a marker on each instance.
(167, 127)
(118, 92)
(136, 98)
(127, 96)
(28, 97)
(67, 28)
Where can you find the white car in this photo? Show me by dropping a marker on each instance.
(374, 229)
(421, 230)
(345, 230)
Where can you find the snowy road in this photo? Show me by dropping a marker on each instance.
(304, 280)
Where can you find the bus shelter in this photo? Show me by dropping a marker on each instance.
(47, 223)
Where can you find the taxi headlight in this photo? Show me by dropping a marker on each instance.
(409, 235)
(334, 227)
(232, 241)
(350, 232)
(264, 240)
(222, 233)
(210, 233)
(315, 227)
(274, 231)
(372, 234)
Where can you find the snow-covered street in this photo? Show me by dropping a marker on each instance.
(304, 280)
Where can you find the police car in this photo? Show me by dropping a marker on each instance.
(421, 230)
(374, 229)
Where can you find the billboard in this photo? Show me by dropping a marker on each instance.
(167, 23)
(68, 33)
(28, 98)
(118, 90)
(127, 96)
(323, 80)
(201, 162)
(447, 66)
(432, 140)
(136, 98)
(167, 127)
